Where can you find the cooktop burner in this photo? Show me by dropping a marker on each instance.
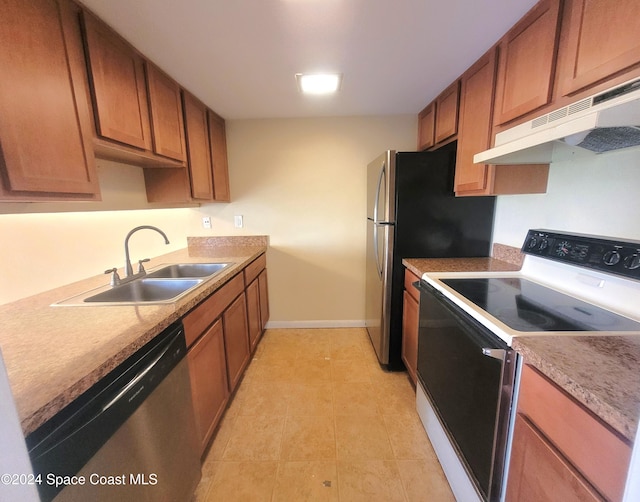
(524, 305)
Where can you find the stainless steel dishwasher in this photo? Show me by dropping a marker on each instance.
(131, 437)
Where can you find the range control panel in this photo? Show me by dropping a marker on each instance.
(590, 251)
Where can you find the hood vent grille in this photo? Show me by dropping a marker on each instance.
(603, 122)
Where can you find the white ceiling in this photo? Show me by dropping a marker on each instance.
(241, 56)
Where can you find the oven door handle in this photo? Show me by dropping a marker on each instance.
(499, 354)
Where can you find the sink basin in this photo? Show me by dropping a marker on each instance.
(145, 290)
(186, 270)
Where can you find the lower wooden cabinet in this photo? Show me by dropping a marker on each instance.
(410, 324)
(561, 451)
(255, 277)
(236, 340)
(209, 389)
(539, 472)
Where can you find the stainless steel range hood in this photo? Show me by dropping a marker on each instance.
(609, 120)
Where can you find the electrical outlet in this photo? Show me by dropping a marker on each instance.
(238, 221)
(206, 222)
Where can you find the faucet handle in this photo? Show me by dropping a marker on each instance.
(140, 267)
(115, 278)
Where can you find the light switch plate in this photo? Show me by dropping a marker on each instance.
(238, 221)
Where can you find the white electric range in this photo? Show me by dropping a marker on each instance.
(569, 284)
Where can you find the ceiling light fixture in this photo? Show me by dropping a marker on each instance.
(319, 83)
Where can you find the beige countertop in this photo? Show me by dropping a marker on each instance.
(54, 354)
(601, 372)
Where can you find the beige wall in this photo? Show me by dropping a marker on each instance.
(300, 181)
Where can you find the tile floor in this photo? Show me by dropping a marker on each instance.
(316, 419)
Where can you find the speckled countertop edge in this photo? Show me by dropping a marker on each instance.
(54, 354)
(601, 372)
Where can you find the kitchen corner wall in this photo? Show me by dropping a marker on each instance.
(597, 194)
(303, 183)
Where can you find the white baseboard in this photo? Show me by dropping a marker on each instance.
(314, 324)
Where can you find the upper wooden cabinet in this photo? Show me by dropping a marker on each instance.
(45, 121)
(447, 113)
(475, 125)
(438, 121)
(197, 134)
(219, 164)
(526, 69)
(166, 114)
(474, 135)
(118, 86)
(599, 39)
(426, 126)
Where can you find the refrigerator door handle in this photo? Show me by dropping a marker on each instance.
(376, 251)
(376, 219)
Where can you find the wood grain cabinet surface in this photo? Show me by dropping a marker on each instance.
(209, 388)
(447, 104)
(526, 70)
(166, 114)
(236, 340)
(410, 324)
(198, 149)
(426, 126)
(219, 163)
(45, 119)
(599, 40)
(255, 276)
(118, 86)
(562, 451)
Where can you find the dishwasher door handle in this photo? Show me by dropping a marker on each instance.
(135, 380)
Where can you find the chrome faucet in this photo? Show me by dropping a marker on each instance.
(127, 266)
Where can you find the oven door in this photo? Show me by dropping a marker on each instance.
(468, 375)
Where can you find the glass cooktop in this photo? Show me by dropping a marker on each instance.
(524, 305)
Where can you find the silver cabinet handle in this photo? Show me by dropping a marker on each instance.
(495, 353)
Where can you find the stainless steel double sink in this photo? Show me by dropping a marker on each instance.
(166, 284)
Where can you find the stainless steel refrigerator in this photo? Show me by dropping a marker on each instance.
(412, 213)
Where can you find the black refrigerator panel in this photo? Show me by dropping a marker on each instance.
(432, 223)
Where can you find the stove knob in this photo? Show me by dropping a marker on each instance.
(533, 241)
(544, 243)
(611, 258)
(632, 262)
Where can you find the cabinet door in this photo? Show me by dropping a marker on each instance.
(474, 134)
(253, 313)
(220, 166)
(410, 321)
(45, 123)
(208, 374)
(199, 160)
(166, 114)
(447, 112)
(118, 87)
(539, 473)
(426, 127)
(527, 63)
(600, 38)
(264, 298)
(236, 340)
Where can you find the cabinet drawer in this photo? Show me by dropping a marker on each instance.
(254, 268)
(409, 279)
(589, 444)
(196, 321)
